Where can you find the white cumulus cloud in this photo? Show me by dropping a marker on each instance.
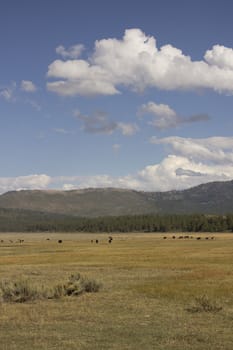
(79, 78)
(189, 162)
(136, 62)
(24, 182)
(213, 149)
(220, 56)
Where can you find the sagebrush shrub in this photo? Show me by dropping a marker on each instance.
(20, 291)
(77, 284)
(204, 304)
(91, 286)
(23, 290)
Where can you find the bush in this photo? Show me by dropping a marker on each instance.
(91, 286)
(56, 292)
(77, 285)
(22, 290)
(204, 304)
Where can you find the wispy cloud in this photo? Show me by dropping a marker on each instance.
(128, 129)
(72, 52)
(63, 131)
(188, 172)
(8, 92)
(99, 123)
(28, 86)
(165, 117)
(116, 147)
(13, 93)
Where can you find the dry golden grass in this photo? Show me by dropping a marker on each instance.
(148, 285)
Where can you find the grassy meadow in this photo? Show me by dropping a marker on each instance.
(162, 294)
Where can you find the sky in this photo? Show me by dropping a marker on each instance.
(125, 94)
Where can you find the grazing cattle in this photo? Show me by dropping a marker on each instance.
(180, 237)
(212, 237)
(186, 237)
(198, 238)
(60, 241)
(2, 241)
(173, 237)
(96, 241)
(164, 237)
(110, 241)
(207, 238)
(47, 239)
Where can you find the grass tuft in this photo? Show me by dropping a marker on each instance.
(204, 304)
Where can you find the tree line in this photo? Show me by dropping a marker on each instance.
(12, 220)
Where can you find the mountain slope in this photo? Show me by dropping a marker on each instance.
(210, 198)
(89, 202)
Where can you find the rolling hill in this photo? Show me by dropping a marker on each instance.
(210, 198)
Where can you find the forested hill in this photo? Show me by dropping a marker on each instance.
(210, 198)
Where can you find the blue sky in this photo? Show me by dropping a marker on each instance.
(115, 94)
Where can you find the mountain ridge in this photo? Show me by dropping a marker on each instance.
(209, 198)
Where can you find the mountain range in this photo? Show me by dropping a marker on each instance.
(209, 198)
